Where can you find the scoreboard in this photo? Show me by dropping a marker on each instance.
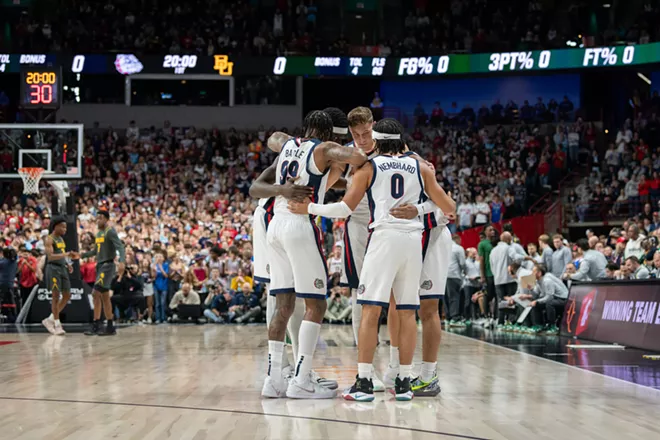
(339, 66)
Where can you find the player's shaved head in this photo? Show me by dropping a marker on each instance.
(318, 124)
(506, 237)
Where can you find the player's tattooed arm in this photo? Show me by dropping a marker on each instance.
(277, 140)
(361, 181)
(328, 152)
(264, 187)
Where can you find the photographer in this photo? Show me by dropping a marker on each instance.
(8, 268)
(27, 271)
(127, 292)
(217, 301)
(245, 306)
(338, 305)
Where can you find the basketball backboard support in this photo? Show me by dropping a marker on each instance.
(57, 148)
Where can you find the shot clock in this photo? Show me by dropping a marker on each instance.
(41, 88)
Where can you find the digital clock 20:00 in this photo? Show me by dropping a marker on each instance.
(40, 78)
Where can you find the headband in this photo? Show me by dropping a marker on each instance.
(385, 136)
(340, 130)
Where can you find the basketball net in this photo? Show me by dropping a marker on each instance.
(31, 178)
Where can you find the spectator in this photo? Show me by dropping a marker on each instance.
(637, 271)
(246, 306)
(592, 266)
(241, 279)
(501, 257)
(552, 293)
(127, 293)
(634, 244)
(465, 213)
(339, 307)
(27, 273)
(8, 269)
(217, 301)
(482, 211)
(455, 277)
(185, 296)
(161, 271)
(561, 256)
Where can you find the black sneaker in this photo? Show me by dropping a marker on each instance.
(94, 329)
(361, 391)
(402, 389)
(109, 330)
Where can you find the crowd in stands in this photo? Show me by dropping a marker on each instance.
(531, 281)
(164, 26)
(290, 26)
(624, 179)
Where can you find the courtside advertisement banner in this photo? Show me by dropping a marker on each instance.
(626, 313)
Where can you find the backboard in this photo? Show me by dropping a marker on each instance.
(57, 148)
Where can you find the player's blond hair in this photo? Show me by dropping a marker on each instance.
(359, 116)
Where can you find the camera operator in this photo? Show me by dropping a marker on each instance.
(217, 301)
(27, 270)
(8, 268)
(127, 291)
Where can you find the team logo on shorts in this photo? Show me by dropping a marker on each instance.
(318, 283)
(268, 269)
(427, 285)
(361, 289)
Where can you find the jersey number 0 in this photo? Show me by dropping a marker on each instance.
(397, 186)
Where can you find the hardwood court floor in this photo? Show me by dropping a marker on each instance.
(203, 382)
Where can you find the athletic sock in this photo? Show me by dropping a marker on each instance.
(428, 371)
(57, 322)
(309, 336)
(295, 321)
(405, 371)
(51, 317)
(365, 371)
(275, 350)
(285, 358)
(394, 357)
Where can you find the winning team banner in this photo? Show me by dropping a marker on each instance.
(374, 66)
(622, 312)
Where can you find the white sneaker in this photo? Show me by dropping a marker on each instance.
(327, 383)
(49, 324)
(379, 386)
(389, 378)
(308, 390)
(58, 329)
(274, 389)
(149, 321)
(287, 372)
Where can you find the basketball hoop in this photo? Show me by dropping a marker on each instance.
(31, 178)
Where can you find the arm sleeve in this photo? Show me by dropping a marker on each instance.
(333, 210)
(118, 244)
(426, 207)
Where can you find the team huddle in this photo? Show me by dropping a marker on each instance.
(396, 250)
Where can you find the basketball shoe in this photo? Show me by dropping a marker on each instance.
(306, 388)
(402, 390)
(361, 391)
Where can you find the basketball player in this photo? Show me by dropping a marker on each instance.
(356, 230)
(393, 260)
(108, 245)
(265, 184)
(57, 274)
(436, 249)
(296, 254)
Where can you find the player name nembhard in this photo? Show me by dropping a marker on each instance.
(397, 166)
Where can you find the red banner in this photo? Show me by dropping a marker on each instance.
(528, 228)
(622, 312)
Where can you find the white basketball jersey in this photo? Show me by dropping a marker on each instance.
(297, 160)
(361, 213)
(396, 181)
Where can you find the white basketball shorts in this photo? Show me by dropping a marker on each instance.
(355, 243)
(296, 257)
(436, 251)
(393, 263)
(260, 224)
